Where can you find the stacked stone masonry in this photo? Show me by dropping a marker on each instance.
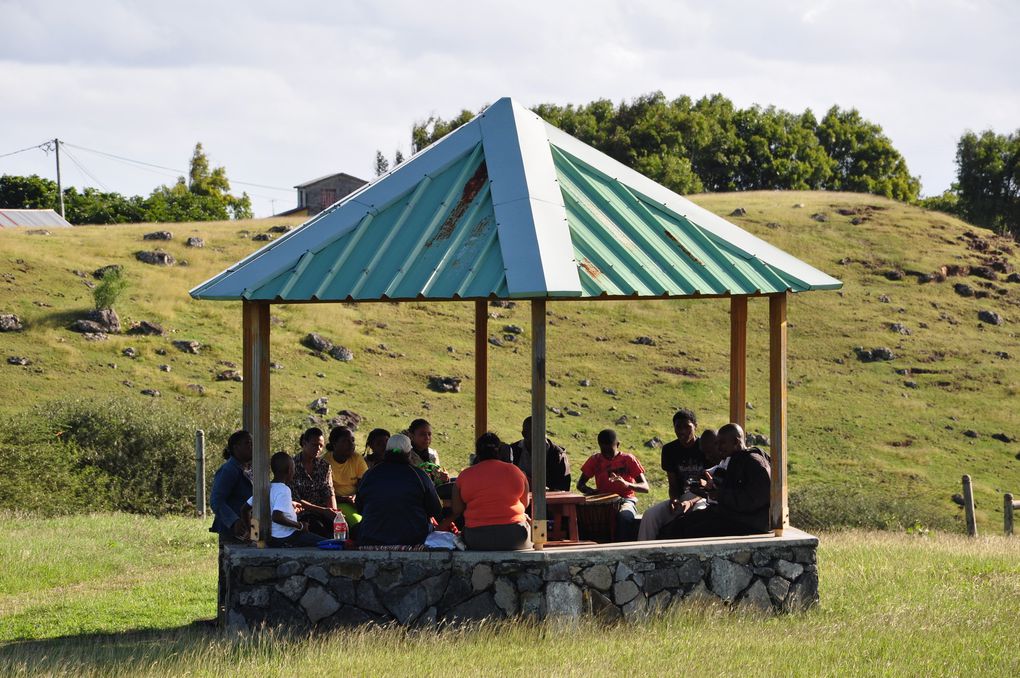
(306, 589)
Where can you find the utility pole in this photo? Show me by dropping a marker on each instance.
(60, 189)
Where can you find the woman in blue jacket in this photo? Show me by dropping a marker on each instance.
(230, 492)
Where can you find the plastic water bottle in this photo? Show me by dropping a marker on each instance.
(340, 527)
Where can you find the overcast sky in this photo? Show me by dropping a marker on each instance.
(283, 92)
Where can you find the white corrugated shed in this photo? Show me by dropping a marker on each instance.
(10, 218)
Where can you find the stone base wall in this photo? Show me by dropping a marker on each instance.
(304, 589)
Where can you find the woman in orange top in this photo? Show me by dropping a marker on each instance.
(492, 495)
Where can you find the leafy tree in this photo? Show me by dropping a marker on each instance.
(988, 180)
(30, 193)
(109, 289)
(948, 202)
(177, 203)
(204, 195)
(93, 206)
(382, 165)
(204, 181)
(710, 145)
(435, 128)
(865, 160)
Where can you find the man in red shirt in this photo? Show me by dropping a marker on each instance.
(617, 472)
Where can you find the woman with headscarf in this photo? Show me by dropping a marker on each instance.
(396, 500)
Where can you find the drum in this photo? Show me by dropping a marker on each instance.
(596, 517)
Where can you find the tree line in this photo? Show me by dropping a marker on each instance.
(711, 145)
(204, 195)
(987, 187)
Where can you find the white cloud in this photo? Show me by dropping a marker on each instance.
(279, 93)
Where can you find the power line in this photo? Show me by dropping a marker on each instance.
(30, 148)
(172, 169)
(85, 171)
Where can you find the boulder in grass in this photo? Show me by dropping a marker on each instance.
(341, 353)
(158, 235)
(186, 346)
(871, 355)
(194, 242)
(86, 326)
(10, 323)
(739, 212)
(444, 384)
(146, 328)
(156, 258)
(985, 272)
(18, 360)
(346, 418)
(963, 289)
(101, 272)
(229, 375)
(990, 317)
(107, 318)
(317, 342)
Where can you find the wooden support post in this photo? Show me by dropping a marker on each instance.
(538, 508)
(1007, 514)
(200, 473)
(779, 510)
(738, 360)
(255, 315)
(968, 507)
(481, 368)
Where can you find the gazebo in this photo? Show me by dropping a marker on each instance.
(510, 207)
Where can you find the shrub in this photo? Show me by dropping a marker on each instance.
(819, 507)
(82, 455)
(109, 289)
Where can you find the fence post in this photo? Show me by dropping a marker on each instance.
(968, 507)
(200, 473)
(1007, 514)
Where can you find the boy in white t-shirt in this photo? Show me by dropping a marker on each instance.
(287, 530)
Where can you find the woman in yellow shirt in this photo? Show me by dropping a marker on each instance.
(347, 469)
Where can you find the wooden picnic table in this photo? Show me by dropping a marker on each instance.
(562, 508)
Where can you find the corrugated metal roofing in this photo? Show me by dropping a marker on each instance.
(508, 206)
(626, 245)
(35, 218)
(330, 176)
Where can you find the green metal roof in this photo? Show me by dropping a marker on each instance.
(625, 244)
(508, 206)
(391, 254)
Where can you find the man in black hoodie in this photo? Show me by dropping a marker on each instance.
(741, 503)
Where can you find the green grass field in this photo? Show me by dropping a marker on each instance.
(864, 444)
(115, 595)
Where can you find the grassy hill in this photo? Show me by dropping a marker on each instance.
(866, 438)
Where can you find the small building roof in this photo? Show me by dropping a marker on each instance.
(330, 176)
(508, 206)
(34, 218)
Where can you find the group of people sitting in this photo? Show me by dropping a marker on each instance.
(393, 493)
